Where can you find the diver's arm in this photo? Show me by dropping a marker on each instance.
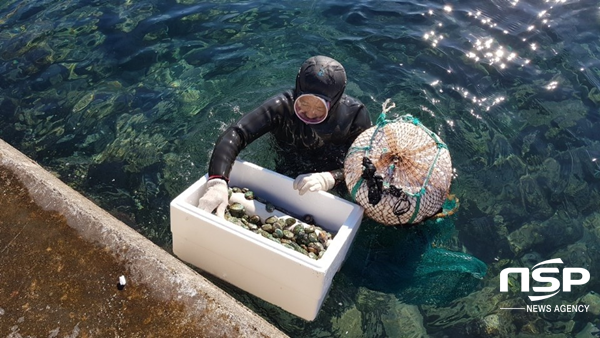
(251, 126)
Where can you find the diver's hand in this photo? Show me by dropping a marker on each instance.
(314, 182)
(216, 197)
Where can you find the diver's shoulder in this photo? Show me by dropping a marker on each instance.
(282, 98)
(350, 101)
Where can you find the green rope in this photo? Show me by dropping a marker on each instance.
(356, 149)
(382, 119)
(417, 207)
(355, 188)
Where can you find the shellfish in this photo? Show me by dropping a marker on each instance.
(247, 210)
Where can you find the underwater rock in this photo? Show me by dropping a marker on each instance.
(531, 144)
(403, 320)
(549, 178)
(581, 254)
(525, 238)
(533, 198)
(190, 101)
(475, 139)
(197, 56)
(505, 170)
(578, 163)
(94, 107)
(486, 236)
(594, 95)
(82, 69)
(500, 148)
(530, 259)
(35, 61)
(581, 197)
(7, 106)
(557, 318)
(592, 299)
(535, 327)
(189, 95)
(495, 325)
(545, 113)
(529, 322)
(509, 213)
(348, 323)
(592, 224)
(474, 309)
(137, 151)
(590, 330)
(52, 76)
(385, 315)
(560, 230)
(547, 236)
(26, 43)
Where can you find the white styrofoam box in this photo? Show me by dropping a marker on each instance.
(281, 276)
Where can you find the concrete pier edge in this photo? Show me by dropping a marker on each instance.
(168, 278)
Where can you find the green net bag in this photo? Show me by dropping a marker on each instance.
(399, 171)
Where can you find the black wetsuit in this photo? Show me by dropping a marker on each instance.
(324, 144)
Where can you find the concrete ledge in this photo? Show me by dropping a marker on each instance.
(211, 310)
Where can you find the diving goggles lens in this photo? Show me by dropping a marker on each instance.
(311, 109)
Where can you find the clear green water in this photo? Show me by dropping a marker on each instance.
(123, 100)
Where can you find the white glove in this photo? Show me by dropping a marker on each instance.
(215, 197)
(314, 182)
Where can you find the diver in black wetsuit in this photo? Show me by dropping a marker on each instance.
(315, 117)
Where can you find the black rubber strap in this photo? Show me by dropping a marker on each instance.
(338, 175)
(218, 176)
